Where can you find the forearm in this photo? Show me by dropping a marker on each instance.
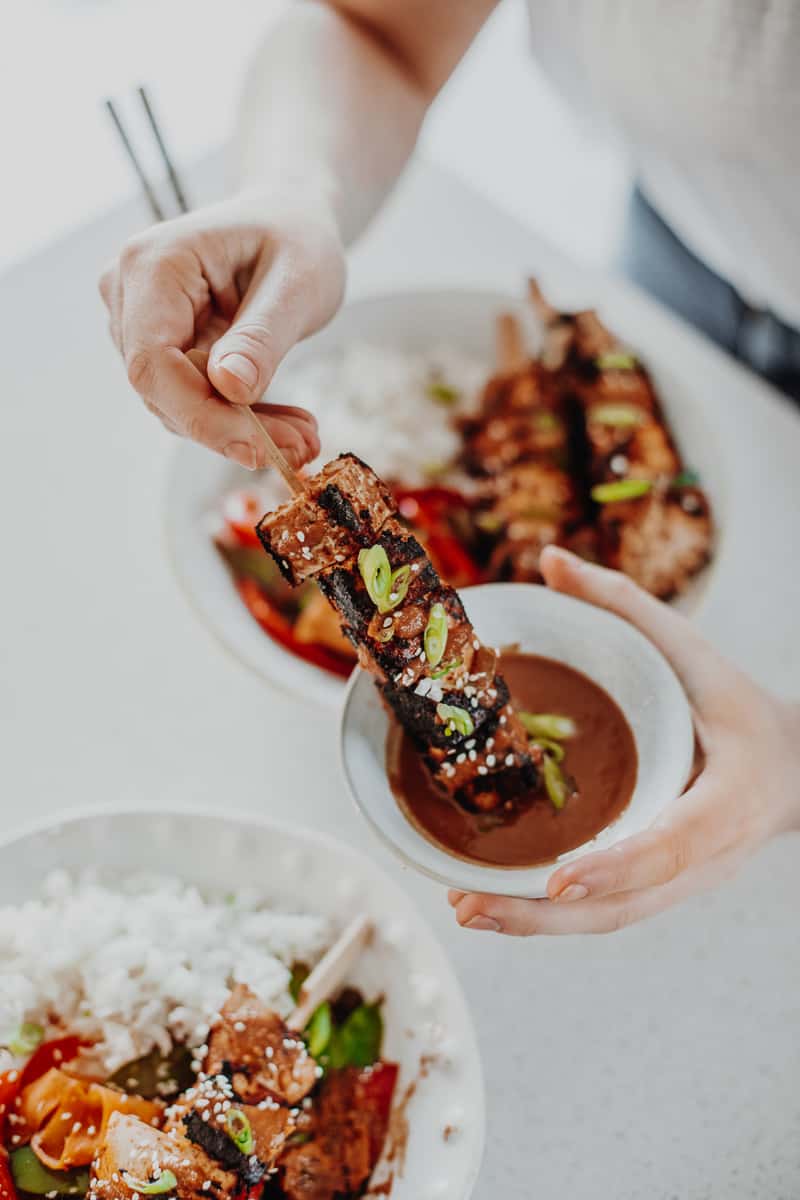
(330, 115)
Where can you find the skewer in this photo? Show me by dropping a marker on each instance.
(540, 304)
(330, 971)
(509, 345)
(199, 360)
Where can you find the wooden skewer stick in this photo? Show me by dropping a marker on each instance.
(330, 971)
(509, 344)
(199, 359)
(541, 306)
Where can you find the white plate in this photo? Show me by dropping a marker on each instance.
(414, 322)
(425, 1011)
(602, 646)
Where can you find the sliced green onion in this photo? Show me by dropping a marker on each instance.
(686, 479)
(443, 393)
(239, 1131)
(549, 746)
(620, 416)
(545, 420)
(26, 1039)
(166, 1182)
(434, 639)
(446, 668)
(398, 589)
(616, 360)
(489, 522)
(554, 782)
(376, 573)
(385, 635)
(457, 719)
(621, 489)
(548, 725)
(319, 1030)
(432, 470)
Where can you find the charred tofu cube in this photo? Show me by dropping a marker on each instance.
(343, 510)
(661, 540)
(134, 1156)
(245, 1138)
(262, 1057)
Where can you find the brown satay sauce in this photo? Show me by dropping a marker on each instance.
(601, 759)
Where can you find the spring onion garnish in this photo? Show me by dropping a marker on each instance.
(554, 782)
(545, 420)
(385, 635)
(319, 1030)
(238, 1130)
(457, 719)
(376, 573)
(548, 725)
(619, 416)
(549, 746)
(686, 479)
(166, 1182)
(446, 668)
(621, 489)
(489, 522)
(398, 588)
(435, 637)
(26, 1039)
(443, 393)
(616, 360)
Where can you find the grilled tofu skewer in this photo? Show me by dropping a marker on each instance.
(409, 628)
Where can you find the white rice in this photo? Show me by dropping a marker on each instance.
(141, 964)
(378, 403)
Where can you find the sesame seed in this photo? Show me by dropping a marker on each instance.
(301, 537)
(509, 760)
(472, 756)
(482, 770)
(490, 760)
(461, 758)
(387, 622)
(239, 1026)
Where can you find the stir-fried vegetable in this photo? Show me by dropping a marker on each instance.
(616, 360)
(320, 1030)
(26, 1039)
(32, 1176)
(357, 1041)
(157, 1075)
(616, 415)
(443, 393)
(376, 571)
(164, 1182)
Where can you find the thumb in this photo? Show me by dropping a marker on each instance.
(243, 361)
(701, 669)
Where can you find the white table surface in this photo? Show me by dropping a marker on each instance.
(661, 1062)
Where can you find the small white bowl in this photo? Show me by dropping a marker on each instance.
(607, 649)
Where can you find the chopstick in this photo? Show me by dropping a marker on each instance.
(330, 971)
(510, 352)
(178, 192)
(172, 174)
(152, 199)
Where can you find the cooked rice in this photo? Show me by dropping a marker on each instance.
(144, 963)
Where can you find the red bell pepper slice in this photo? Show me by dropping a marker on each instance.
(273, 622)
(50, 1054)
(242, 512)
(376, 1086)
(429, 511)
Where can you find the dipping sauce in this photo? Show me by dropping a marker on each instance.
(600, 757)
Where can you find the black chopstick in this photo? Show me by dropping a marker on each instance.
(152, 199)
(177, 188)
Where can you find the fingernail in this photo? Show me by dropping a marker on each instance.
(244, 370)
(574, 891)
(487, 923)
(241, 453)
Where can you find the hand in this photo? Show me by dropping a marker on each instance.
(244, 280)
(747, 791)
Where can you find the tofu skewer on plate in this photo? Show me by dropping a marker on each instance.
(410, 631)
(653, 521)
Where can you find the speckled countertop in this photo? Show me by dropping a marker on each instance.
(661, 1063)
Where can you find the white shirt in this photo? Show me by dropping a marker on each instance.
(706, 94)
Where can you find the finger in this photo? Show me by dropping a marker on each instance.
(188, 402)
(288, 298)
(703, 672)
(689, 834)
(110, 287)
(607, 914)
